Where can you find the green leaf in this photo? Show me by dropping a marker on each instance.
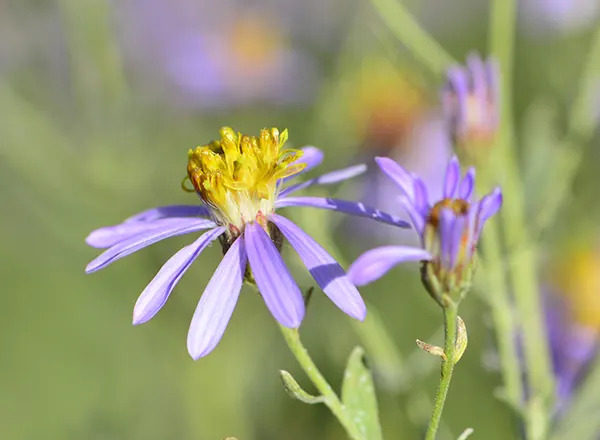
(358, 395)
(295, 391)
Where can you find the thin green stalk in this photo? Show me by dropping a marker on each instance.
(292, 338)
(523, 267)
(404, 26)
(496, 293)
(450, 326)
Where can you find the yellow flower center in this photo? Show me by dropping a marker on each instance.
(239, 176)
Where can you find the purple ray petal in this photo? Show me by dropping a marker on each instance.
(312, 157)
(398, 174)
(217, 302)
(446, 233)
(493, 81)
(326, 179)
(452, 176)
(111, 235)
(277, 287)
(353, 208)
(478, 77)
(417, 219)
(375, 263)
(465, 190)
(421, 200)
(155, 295)
(327, 272)
(490, 204)
(458, 83)
(144, 239)
(170, 211)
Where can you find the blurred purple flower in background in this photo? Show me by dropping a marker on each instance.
(572, 304)
(471, 102)
(395, 119)
(212, 56)
(448, 229)
(239, 180)
(541, 17)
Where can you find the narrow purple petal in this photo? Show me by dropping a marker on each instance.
(465, 190)
(312, 157)
(111, 235)
(277, 287)
(421, 200)
(398, 174)
(446, 233)
(478, 77)
(354, 208)
(417, 219)
(144, 239)
(452, 176)
(170, 211)
(458, 83)
(327, 179)
(155, 295)
(490, 204)
(217, 302)
(493, 82)
(375, 263)
(327, 272)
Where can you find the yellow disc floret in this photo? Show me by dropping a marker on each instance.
(238, 176)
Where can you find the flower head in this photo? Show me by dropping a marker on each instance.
(448, 229)
(471, 101)
(240, 182)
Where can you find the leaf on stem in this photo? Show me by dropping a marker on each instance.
(358, 395)
(295, 391)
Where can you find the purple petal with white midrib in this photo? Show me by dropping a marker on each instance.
(353, 208)
(327, 179)
(375, 263)
(273, 279)
(140, 241)
(451, 179)
(111, 235)
(398, 174)
(170, 211)
(327, 272)
(217, 302)
(156, 293)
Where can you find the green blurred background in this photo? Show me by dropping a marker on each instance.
(99, 103)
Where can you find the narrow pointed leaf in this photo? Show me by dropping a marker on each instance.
(358, 395)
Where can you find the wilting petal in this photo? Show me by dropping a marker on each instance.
(326, 179)
(170, 211)
(327, 272)
(111, 235)
(155, 295)
(277, 287)
(452, 176)
(217, 302)
(373, 264)
(353, 208)
(144, 239)
(465, 190)
(399, 175)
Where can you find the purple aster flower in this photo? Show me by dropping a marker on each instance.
(542, 17)
(448, 229)
(471, 101)
(240, 180)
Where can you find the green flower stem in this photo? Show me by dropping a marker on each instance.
(413, 36)
(497, 294)
(523, 264)
(450, 316)
(292, 338)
